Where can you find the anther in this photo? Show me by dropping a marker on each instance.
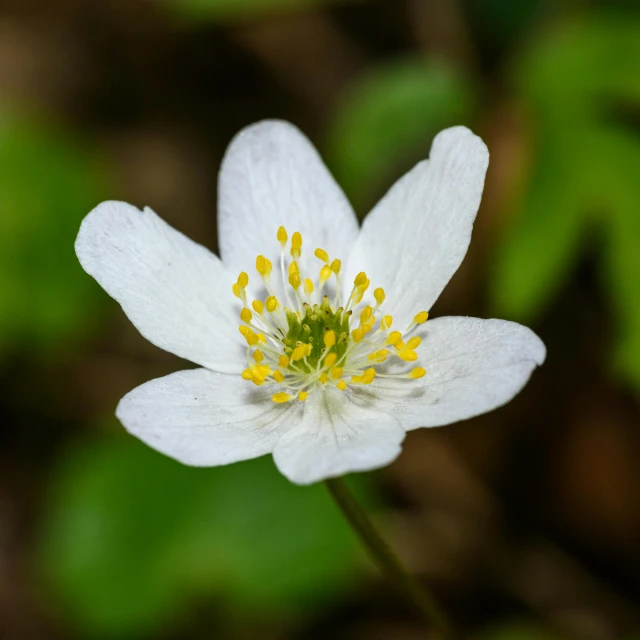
(258, 356)
(281, 397)
(296, 244)
(330, 360)
(294, 280)
(321, 254)
(303, 395)
(282, 236)
(335, 266)
(258, 306)
(379, 295)
(342, 385)
(329, 339)
(418, 372)
(278, 376)
(243, 280)
(263, 266)
(272, 304)
(360, 279)
(283, 361)
(246, 315)
(421, 318)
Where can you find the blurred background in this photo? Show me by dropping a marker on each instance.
(525, 522)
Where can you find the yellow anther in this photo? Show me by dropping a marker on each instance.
(258, 356)
(246, 315)
(299, 352)
(369, 375)
(418, 372)
(321, 254)
(243, 280)
(263, 266)
(358, 334)
(325, 274)
(336, 373)
(293, 268)
(308, 286)
(247, 375)
(278, 377)
(303, 395)
(366, 313)
(283, 361)
(380, 355)
(329, 338)
(281, 396)
(296, 244)
(421, 318)
(294, 280)
(379, 295)
(282, 235)
(414, 343)
(249, 336)
(272, 304)
(342, 385)
(394, 338)
(330, 360)
(258, 306)
(262, 338)
(236, 290)
(408, 355)
(335, 266)
(360, 279)
(386, 322)
(324, 378)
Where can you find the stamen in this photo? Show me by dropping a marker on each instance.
(281, 397)
(321, 254)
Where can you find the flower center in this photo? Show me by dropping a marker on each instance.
(311, 342)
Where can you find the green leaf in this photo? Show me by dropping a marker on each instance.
(133, 537)
(47, 184)
(387, 121)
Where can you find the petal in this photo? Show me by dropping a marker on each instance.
(176, 292)
(473, 366)
(202, 418)
(415, 238)
(336, 437)
(272, 175)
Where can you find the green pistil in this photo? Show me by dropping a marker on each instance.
(310, 329)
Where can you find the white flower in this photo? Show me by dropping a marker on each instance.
(326, 373)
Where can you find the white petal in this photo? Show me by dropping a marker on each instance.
(176, 292)
(336, 437)
(272, 175)
(202, 418)
(415, 238)
(473, 366)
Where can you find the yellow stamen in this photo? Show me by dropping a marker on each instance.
(408, 355)
(243, 280)
(421, 318)
(330, 360)
(321, 254)
(418, 372)
(394, 337)
(325, 274)
(414, 342)
(336, 373)
(342, 385)
(324, 378)
(380, 355)
(299, 352)
(282, 235)
(378, 294)
(360, 279)
(246, 315)
(283, 361)
(308, 286)
(335, 266)
(263, 266)
(366, 313)
(358, 334)
(278, 376)
(329, 339)
(236, 290)
(272, 304)
(258, 306)
(281, 397)
(296, 244)
(386, 322)
(303, 395)
(294, 280)
(258, 356)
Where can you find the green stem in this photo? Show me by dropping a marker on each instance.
(420, 600)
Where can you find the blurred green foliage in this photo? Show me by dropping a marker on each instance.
(132, 537)
(234, 9)
(47, 184)
(578, 82)
(388, 119)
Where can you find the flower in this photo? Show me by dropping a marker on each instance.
(323, 356)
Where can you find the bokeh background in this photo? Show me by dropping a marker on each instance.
(525, 522)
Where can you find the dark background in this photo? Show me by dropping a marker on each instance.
(525, 522)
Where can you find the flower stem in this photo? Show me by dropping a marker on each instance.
(419, 599)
